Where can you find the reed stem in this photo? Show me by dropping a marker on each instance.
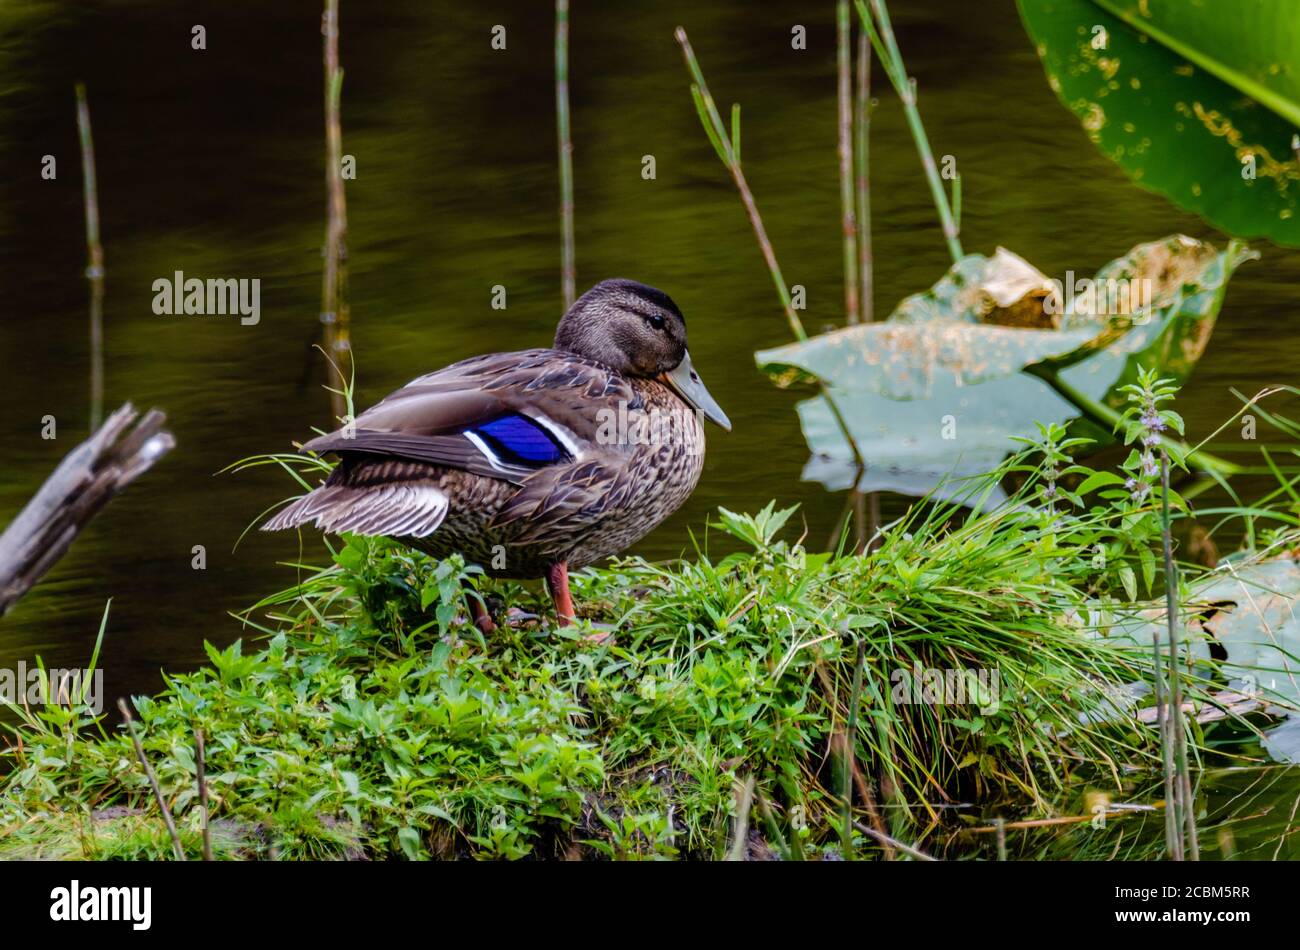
(568, 265)
(335, 317)
(1173, 837)
(848, 213)
(1166, 704)
(153, 780)
(94, 258)
(850, 743)
(1189, 844)
(866, 507)
(862, 162)
(956, 203)
(721, 139)
(744, 796)
(202, 773)
(878, 27)
(724, 143)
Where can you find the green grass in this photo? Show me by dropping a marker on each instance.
(369, 719)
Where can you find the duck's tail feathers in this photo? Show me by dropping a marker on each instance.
(396, 510)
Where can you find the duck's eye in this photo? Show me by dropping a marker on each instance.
(656, 320)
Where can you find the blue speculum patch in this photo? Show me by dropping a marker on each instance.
(517, 438)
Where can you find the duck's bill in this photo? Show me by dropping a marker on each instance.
(687, 384)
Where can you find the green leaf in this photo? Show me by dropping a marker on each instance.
(986, 318)
(905, 443)
(1193, 281)
(706, 120)
(735, 130)
(1099, 480)
(1147, 558)
(1250, 46)
(968, 411)
(409, 839)
(1129, 580)
(1185, 96)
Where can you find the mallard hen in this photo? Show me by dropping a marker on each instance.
(532, 462)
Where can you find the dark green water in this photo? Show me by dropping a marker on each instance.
(210, 162)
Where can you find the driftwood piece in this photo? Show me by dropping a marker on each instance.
(1224, 704)
(85, 481)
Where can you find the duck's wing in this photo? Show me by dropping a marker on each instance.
(561, 495)
(505, 416)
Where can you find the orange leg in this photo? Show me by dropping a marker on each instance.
(557, 579)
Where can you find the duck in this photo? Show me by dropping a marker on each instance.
(530, 463)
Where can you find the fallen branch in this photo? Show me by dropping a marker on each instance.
(1114, 811)
(85, 481)
(885, 839)
(1212, 709)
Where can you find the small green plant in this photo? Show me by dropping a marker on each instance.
(648, 836)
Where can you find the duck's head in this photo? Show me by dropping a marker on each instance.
(638, 331)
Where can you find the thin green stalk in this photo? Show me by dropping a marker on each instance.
(1165, 716)
(789, 849)
(848, 215)
(1172, 837)
(843, 425)
(1175, 805)
(882, 37)
(956, 203)
(850, 742)
(568, 266)
(1185, 800)
(722, 141)
(94, 258)
(718, 135)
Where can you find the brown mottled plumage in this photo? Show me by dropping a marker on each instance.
(531, 462)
